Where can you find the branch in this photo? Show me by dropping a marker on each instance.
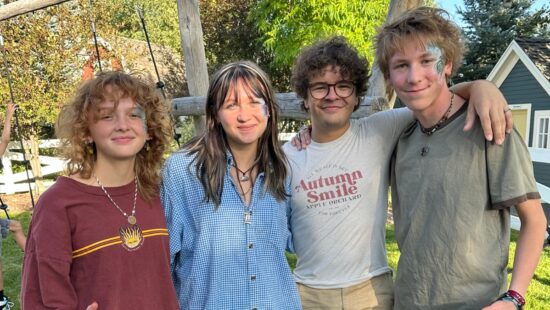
(25, 6)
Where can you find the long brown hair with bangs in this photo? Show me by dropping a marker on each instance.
(211, 147)
(72, 126)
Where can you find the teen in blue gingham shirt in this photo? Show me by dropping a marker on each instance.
(219, 261)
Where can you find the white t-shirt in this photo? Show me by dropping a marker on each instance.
(339, 202)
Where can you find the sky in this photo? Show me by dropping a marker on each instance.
(450, 6)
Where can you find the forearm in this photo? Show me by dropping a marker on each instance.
(5, 138)
(528, 251)
(20, 239)
(6, 133)
(463, 89)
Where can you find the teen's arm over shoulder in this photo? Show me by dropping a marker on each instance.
(487, 103)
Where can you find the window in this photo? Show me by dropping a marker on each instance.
(542, 130)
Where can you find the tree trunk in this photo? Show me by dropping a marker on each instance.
(377, 83)
(192, 44)
(21, 7)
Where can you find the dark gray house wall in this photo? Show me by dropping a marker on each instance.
(521, 87)
(542, 173)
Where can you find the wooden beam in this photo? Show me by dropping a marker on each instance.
(25, 6)
(288, 102)
(192, 44)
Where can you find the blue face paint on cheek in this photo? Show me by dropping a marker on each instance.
(138, 111)
(438, 54)
(264, 108)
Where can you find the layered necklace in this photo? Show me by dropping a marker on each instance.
(245, 176)
(131, 235)
(430, 130)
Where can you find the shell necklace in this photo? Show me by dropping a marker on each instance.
(131, 236)
(429, 131)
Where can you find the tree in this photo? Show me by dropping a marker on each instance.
(490, 27)
(39, 48)
(230, 35)
(287, 26)
(46, 52)
(161, 19)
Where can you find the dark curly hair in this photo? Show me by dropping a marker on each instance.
(334, 51)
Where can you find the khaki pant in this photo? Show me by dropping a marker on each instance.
(376, 293)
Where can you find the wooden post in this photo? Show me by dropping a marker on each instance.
(25, 6)
(377, 83)
(193, 53)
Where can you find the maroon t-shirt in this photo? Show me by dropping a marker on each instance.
(76, 253)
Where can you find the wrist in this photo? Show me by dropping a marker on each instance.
(514, 297)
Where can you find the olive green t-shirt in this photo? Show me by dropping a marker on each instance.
(451, 195)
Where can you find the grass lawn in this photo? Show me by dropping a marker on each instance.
(538, 296)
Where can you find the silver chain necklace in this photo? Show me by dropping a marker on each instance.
(131, 218)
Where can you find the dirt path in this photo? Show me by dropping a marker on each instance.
(17, 202)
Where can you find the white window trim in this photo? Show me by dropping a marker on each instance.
(524, 106)
(538, 115)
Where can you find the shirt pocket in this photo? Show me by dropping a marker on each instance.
(272, 224)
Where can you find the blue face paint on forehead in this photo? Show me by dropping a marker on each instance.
(435, 51)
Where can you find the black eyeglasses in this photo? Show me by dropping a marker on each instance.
(343, 89)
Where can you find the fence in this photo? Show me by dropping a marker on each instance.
(11, 182)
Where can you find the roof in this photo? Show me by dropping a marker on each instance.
(534, 53)
(538, 49)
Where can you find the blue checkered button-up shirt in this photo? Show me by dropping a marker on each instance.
(218, 260)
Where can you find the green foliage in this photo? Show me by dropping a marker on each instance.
(12, 258)
(47, 50)
(161, 20)
(38, 50)
(491, 25)
(230, 35)
(287, 26)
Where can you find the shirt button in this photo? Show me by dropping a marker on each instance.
(253, 278)
(250, 245)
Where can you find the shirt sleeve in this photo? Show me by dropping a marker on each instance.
(172, 201)
(46, 281)
(510, 172)
(388, 124)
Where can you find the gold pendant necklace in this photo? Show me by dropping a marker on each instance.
(131, 236)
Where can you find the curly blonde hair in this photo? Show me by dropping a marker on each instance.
(72, 126)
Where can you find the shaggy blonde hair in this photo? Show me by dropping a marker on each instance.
(74, 117)
(423, 25)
